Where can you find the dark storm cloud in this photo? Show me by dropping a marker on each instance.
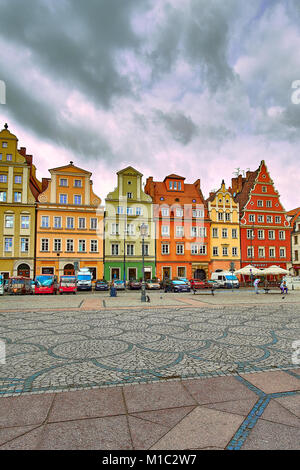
(181, 127)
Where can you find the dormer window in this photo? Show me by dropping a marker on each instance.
(4, 145)
(170, 185)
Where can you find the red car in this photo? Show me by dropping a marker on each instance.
(198, 284)
(68, 284)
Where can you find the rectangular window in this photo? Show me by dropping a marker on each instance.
(180, 249)
(179, 212)
(179, 185)
(9, 221)
(70, 222)
(0, 156)
(63, 199)
(70, 245)
(77, 200)
(227, 216)
(269, 219)
(234, 233)
(44, 244)
(272, 252)
(198, 213)
(120, 210)
(224, 233)
(114, 249)
(145, 249)
(250, 234)
(220, 216)
(282, 252)
(165, 212)
(4, 145)
(25, 221)
(281, 235)
(165, 230)
(2, 196)
(130, 229)
(202, 232)
(260, 218)
(129, 211)
(63, 182)
(215, 251)
(115, 229)
(57, 244)
(18, 179)
(165, 249)
(45, 221)
(261, 234)
(8, 245)
(179, 231)
(193, 232)
(269, 204)
(175, 184)
(138, 211)
(271, 235)
(215, 233)
(94, 246)
(81, 222)
(81, 246)
(129, 195)
(264, 189)
(260, 203)
(234, 251)
(94, 223)
(9, 157)
(17, 196)
(3, 178)
(170, 185)
(130, 250)
(261, 252)
(277, 219)
(77, 183)
(225, 251)
(24, 245)
(57, 222)
(198, 249)
(250, 251)
(251, 218)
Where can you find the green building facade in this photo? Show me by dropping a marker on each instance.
(127, 208)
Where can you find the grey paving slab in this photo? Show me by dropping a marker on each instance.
(27, 440)
(24, 410)
(272, 436)
(277, 413)
(291, 403)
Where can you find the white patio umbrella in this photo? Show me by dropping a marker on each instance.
(274, 270)
(248, 270)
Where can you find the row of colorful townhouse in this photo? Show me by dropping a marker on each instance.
(165, 228)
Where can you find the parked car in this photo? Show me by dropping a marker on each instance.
(176, 285)
(67, 284)
(119, 285)
(101, 285)
(198, 284)
(134, 284)
(184, 279)
(19, 285)
(153, 284)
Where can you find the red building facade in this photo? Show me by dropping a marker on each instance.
(182, 228)
(265, 231)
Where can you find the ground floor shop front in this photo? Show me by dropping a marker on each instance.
(67, 267)
(17, 267)
(129, 270)
(171, 270)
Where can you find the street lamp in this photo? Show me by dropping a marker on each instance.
(143, 230)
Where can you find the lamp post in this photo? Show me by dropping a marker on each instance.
(252, 248)
(143, 230)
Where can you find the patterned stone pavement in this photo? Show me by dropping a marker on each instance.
(171, 378)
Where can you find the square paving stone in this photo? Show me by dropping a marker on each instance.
(277, 413)
(146, 397)
(87, 404)
(24, 410)
(240, 407)
(291, 403)
(272, 436)
(145, 433)
(110, 433)
(201, 428)
(218, 389)
(22, 438)
(272, 382)
(9, 434)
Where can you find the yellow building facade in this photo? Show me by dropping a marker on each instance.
(69, 224)
(19, 189)
(224, 232)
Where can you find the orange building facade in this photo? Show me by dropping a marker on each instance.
(182, 228)
(69, 224)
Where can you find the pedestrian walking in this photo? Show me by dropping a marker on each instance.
(256, 282)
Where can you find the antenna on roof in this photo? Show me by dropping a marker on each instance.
(237, 172)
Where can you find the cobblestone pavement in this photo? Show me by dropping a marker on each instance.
(48, 351)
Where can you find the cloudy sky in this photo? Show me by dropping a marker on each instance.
(195, 87)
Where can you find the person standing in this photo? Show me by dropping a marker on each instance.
(256, 282)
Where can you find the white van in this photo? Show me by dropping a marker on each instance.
(293, 283)
(225, 279)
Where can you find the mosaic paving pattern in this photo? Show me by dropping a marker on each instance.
(52, 351)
